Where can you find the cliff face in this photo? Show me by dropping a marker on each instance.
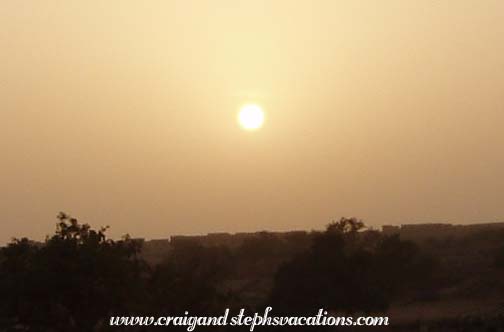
(419, 232)
(406, 231)
(154, 251)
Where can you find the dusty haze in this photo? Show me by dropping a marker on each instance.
(124, 113)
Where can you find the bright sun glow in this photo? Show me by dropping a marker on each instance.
(251, 117)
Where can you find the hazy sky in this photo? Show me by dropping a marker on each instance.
(123, 113)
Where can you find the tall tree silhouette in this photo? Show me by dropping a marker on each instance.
(74, 280)
(347, 270)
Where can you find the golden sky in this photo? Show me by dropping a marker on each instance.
(123, 113)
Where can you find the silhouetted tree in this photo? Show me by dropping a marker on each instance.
(71, 282)
(191, 279)
(499, 258)
(347, 270)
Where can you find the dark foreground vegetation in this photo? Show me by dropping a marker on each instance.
(78, 278)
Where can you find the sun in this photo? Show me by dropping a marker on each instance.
(251, 117)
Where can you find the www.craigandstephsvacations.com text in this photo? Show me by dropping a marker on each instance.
(322, 318)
